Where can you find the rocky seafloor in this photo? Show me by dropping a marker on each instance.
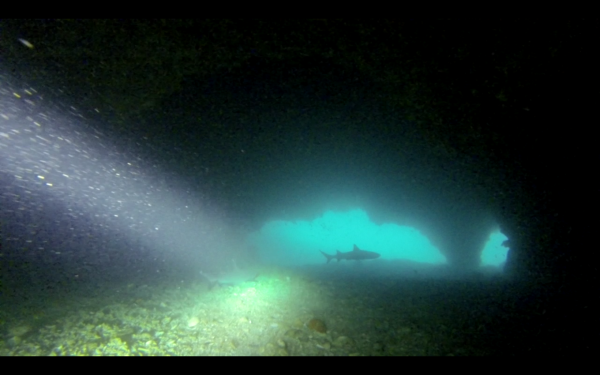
(281, 313)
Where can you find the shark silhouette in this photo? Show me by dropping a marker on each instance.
(231, 277)
(355, 254)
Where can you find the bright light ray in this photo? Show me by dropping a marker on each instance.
(52, 156)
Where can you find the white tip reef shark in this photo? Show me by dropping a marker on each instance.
(231, 277)
(355, 254)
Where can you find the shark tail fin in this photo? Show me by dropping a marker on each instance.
(329, 257)
(211, 281)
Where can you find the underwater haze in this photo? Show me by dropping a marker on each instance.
(249, 203)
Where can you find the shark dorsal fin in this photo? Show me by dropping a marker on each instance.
(355, 248)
